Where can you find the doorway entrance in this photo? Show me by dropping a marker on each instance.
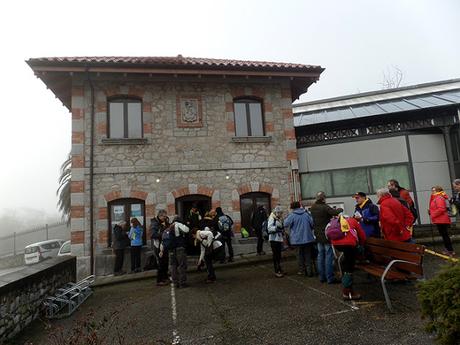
(249, 203)
(183, 206)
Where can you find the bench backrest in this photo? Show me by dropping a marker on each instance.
(384, 251)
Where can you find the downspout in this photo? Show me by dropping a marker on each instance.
(91, 176)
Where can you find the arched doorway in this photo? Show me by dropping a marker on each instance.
(248, 205)
(183, 206)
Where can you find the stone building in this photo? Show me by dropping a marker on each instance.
(168, 132)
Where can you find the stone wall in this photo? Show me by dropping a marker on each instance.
(172, 160)
(22, 292)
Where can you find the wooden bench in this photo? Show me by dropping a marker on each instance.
(392, 261)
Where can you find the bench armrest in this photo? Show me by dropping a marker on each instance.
(392, 262)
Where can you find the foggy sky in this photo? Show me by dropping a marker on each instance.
(356, 41)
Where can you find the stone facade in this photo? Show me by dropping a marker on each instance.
(22, 294)
(206, 159)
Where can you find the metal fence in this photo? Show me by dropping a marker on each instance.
(14, 244)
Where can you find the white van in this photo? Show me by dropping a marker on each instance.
(39, 251)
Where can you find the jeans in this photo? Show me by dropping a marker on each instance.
(304, 258)
(276, 251)
(136, 258)
(325, 262)
(119, 256)
(178, 264)
(228, 241)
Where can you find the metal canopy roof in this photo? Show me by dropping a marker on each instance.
(377, 103)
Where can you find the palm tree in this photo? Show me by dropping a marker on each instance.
(64, 189)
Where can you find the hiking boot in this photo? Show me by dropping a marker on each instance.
(230, 260)
(349, 295)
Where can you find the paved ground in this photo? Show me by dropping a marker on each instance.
(248, 305)
(11, 270)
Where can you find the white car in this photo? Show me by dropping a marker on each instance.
(40, 251)
(65, 249)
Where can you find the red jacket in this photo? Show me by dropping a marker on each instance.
(438, 209)
(395, 219)
(350, 239)
(404, 194)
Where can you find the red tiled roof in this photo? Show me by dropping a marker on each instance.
(176, 61)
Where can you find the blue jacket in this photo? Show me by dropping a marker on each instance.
(300, 223)
(370, 218)
(135, 235)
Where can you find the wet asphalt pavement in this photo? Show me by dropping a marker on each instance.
(249, 305)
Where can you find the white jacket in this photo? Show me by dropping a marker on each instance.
(207, 239)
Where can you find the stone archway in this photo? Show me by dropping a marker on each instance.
(191, 189)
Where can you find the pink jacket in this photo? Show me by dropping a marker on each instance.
(438, 209)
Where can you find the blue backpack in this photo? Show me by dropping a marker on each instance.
(225, 224)
(169, 239)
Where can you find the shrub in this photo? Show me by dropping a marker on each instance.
(440, 302)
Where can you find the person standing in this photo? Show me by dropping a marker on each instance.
(275, 229)
(120, 242)
(353, 237)
(439, 216)
(211, 250)
(322, 214)
(395, 220)
(225, 224)
(403, 194)
(209, 221)
(300, 224)
(135, 235)
(159, 224)
(456, 194)
(175, 243)
(367, 214)
(257, 221)
(194, 218)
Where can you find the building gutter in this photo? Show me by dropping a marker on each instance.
(91, 175)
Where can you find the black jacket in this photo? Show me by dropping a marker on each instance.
(157, 228)
(120, 238)
(258, 218)
(322, 214)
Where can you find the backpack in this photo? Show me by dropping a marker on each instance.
(334, 230)
(169, 239)
(451, 208)
(265, 228)
(244, 233)
(225, 223)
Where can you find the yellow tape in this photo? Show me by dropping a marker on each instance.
(445, 257)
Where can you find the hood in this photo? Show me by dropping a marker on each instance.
(383, 198)
(299, 211)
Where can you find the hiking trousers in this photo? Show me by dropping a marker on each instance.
(178, 265)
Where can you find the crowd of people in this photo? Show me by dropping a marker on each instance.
(317, 233)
